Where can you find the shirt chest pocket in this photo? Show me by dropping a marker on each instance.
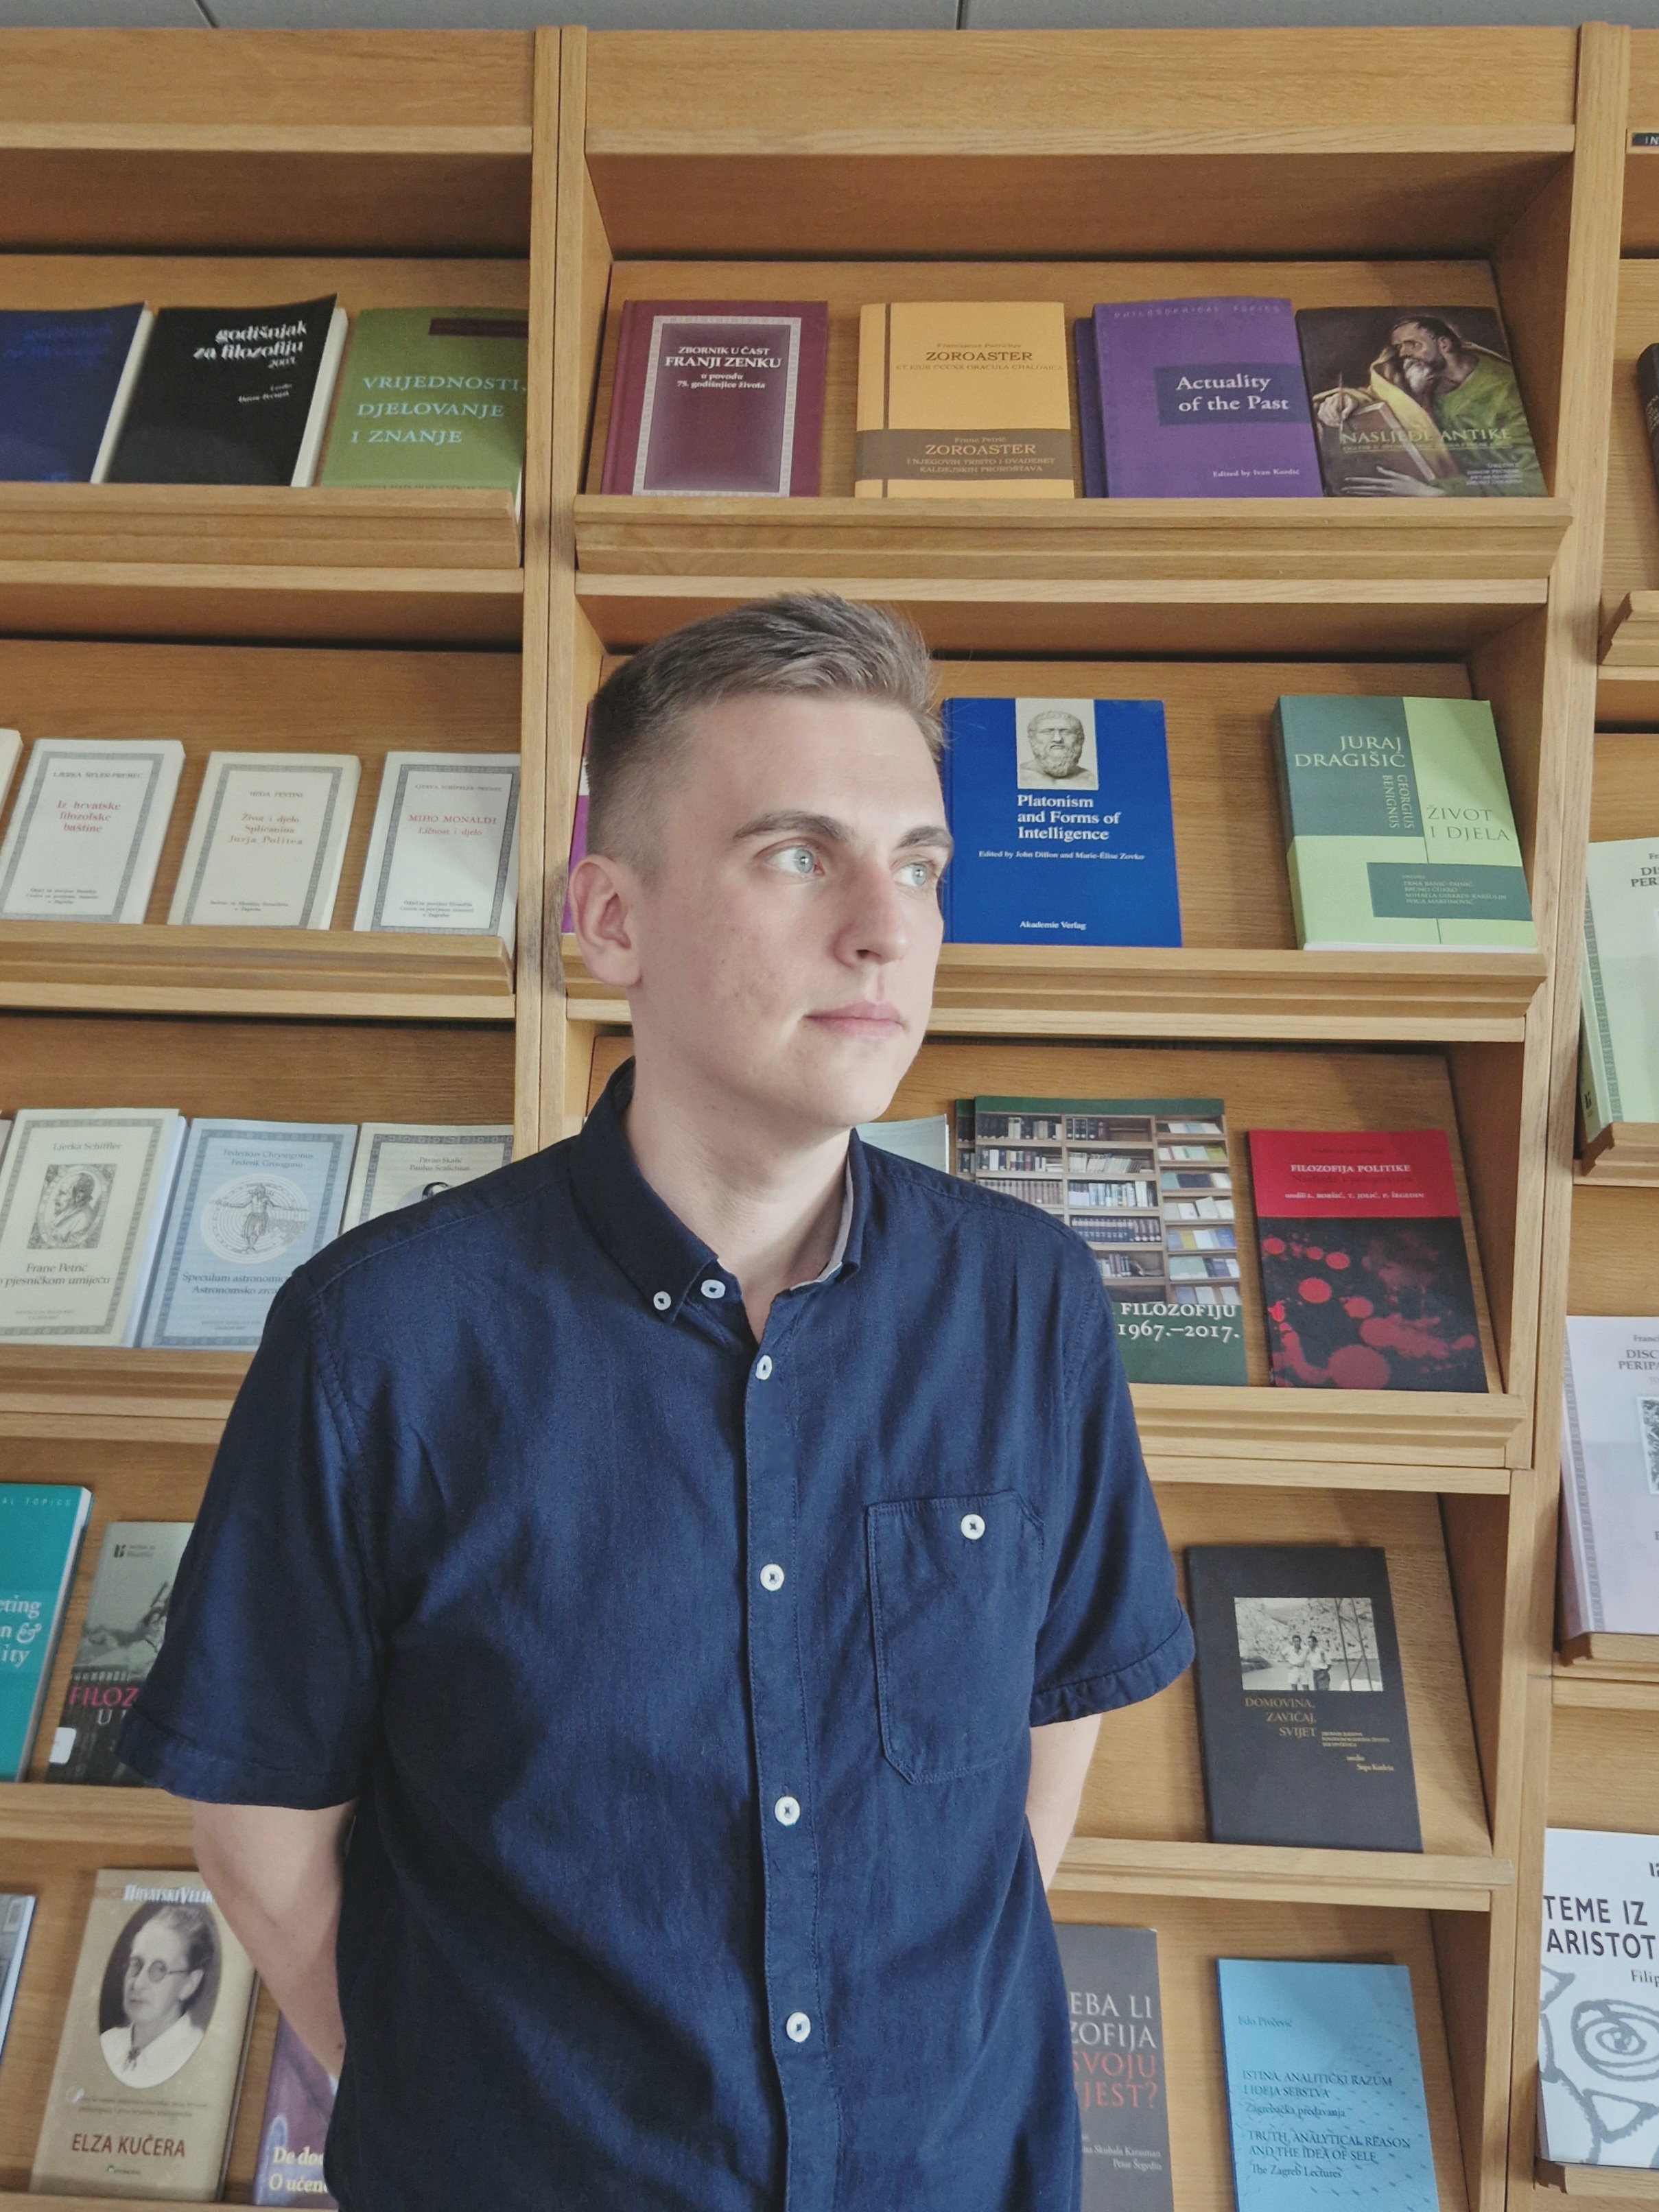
(956, 1601)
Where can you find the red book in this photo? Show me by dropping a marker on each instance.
(1364, 1271)
(720, 396)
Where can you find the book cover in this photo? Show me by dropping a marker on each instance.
(1398, 828)
(126, 1619)
(964, 399)
(398, 1164)
(1325, 2095)
(1620, 1061)
(268, 840)
(718, 396)
(85, 836)
(149, 2063)
(444, 851)
(431, 397)
(1301, 1707)
(1147, 1185)
(1647, 392)
(1610, 1476)
(41, 1525)
(1117, 2067)
(578, 836)
(12, 752)
(15, 1914)
(1598, 2014)
(926, 1140)
(82, 1196)
(1077, 785)
(1090, 433)
(299, 2103)
(253, 1202)
(232, 395)
(61, 370)
(1365, 1267)
(1203, 399)
(1417, 402)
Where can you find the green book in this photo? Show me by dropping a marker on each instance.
(1618, 1061)
(1147, 1184)
(41, 1524)
(431, 398)
(1398, 826)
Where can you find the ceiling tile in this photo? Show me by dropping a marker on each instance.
(597, 15)
(101, 15)
(1246, 15)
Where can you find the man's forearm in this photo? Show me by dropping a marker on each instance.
(1059, 1762)
(274, 1875)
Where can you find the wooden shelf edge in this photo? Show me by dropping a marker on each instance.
(1624, 1155)
(1601, 1653)
(1442, 1882)
(198, 576)
(1613, 2185)
(437, 141)
(130, 1818)
(1279, 1474)
(608, 141)
(159, 1397)
(1572, 1690)
(1629, 636)
(1433, 1428)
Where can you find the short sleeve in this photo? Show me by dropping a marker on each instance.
(267, 1689)
(1115, 1632)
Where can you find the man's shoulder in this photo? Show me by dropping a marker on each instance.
(989, 1220)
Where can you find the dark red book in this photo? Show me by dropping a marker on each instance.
(1364, 1271)
(718, 396)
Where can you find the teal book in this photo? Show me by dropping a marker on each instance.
(1618, 1064)
(1398, 828)
(1324, 2088)
(41, 1525)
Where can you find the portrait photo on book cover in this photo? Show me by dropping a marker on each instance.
(157, 1999)
(74, 1201)
(1306, 1644)
(1056, 747)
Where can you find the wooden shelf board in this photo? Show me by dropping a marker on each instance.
(346, 974)
(121, 1819)
(1367, 1878)
(1632, 1656)
(174, 1397)
(132, 600)
(1624, 1153)
(992, 990)
(257, 526)
(1572, 1688)
(1184, 1422)
(1630, 638)
(1613, 2185)
(437, 141)
(1321, 542)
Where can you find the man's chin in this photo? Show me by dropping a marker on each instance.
(847, 1077)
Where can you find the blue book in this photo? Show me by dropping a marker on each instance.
(253, 1202)
(1090, 430)
(41, 1525)
(62, 371)
(1060, 812)
(1324, 2088)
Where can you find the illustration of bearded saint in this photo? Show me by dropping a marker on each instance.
(1431, 395)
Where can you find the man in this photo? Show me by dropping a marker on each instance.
(1456, 409)
(1054, 741)
(699, 1553)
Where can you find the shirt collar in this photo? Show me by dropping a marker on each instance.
(654, 1248)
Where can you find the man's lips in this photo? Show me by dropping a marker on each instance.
(860, 1017)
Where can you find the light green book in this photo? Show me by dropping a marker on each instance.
(1619, 1059)
(1398, 826)
(431, 398)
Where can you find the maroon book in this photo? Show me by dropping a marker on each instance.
(718, 396)
(1365, 1272)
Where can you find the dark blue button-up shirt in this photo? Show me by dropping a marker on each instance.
(684, 1685)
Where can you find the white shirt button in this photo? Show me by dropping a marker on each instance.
(772, 1576)
(713, 1288)
(787, 1812)
(972, 1526)
(661, 1300)
(798, 2028)
(764, 1368)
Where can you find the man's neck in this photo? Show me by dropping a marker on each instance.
(768, 1210)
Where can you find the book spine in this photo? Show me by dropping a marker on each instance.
(322, 394)
(1647, 386)
(947, 784)
(1599, 1062)
(623, 432)
(1287, 821)
(1582, 1579)
(806, 459)
(1092, 439)
(123, 400)
(874, 333)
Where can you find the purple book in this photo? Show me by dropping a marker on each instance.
(298, 2104)
(1089, 434)
(718, 396)
(1204, 399)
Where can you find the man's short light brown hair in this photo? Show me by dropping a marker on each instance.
(810, 644)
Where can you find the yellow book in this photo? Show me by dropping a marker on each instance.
(964, 399)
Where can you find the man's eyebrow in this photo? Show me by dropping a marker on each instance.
(929, 833)
(788, 822)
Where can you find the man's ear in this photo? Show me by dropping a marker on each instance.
(603, 895)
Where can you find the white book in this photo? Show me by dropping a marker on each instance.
(12, 752)
(1598, 2010)
(85, 836)
(253, 1202)
(444, 851)
(268, 842)
(15, 1914)
(927, 1141)
(322, 393)
(400, 1163)
(123, 400)
(1619, 1055)
(1610, 1476)
(83, 1196)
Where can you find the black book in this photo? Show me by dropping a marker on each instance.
(1301, 1711)
(1647, 386)
(232, 396)
(1117, 2067)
